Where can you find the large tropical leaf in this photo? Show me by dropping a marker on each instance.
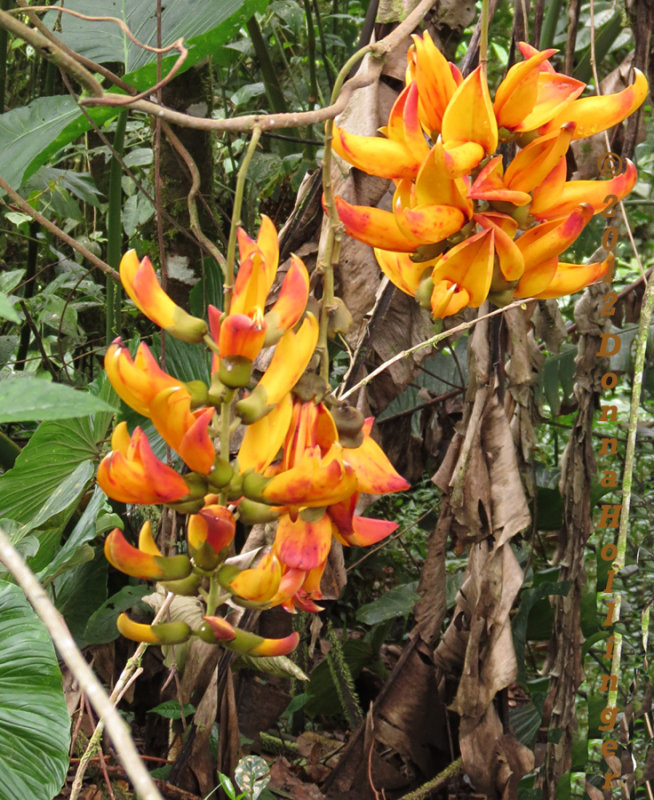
(27, 133)
(30, 398)
(53, 453)
(34, 722)
(204, 25)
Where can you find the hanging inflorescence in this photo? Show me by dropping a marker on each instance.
(303, 461)
(464, 224)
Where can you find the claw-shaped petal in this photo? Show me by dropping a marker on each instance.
(375, 227)
(517, 93)
(291, 302)
(131, 473)
(301, 544)
(491, 187)
(469, 115)
(142, 285)
(533, 164)
(511, 261)
(160, 633)
(208, 533)
(546, 196)
(435, 185)
(429, 224)
(401, 270)
(595, 193)
(448, 298)
(399, 155)
(571, 278)
(263, 439)
(219, 631)
(136, 381)
(186, 431)
(375, 473)
(365, 532)
(537, 278)
(313, 481)
(141, 564)
(261, 583)
(592, 115)
(435, 81)
(257, 271)
(542, 242)
(292, 356)
(469, 265)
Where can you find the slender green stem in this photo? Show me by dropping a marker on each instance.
(424, 791)
(225, 428)
(115, 228)
(4, 5)
(483, 41)
(627, 477)
(236, 215)
(549, 26)
(311, 55)
(213, 598)
(53, 53)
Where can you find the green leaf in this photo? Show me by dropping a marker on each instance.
(208, 290)
(61, 502)
(89, 526)
(528, 599)
(7, 310)
(170, 709)
(186, 362)
(101, 627)
(29, 398)
(280, 666)
(397, 602)
(205, 26)
(252, 774)
(54, 452)
(80, 592)
(27, 134)
(34, 722)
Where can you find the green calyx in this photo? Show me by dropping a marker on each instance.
(254, 406)
(171, 632)
(172, 567)
(235, 371)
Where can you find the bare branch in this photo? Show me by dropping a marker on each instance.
(84, 675)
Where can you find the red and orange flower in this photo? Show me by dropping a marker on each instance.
(464, 226)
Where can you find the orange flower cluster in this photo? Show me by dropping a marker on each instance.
(300, 462)
(464, 224)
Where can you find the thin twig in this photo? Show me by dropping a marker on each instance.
(192, 167)
(130, 673)
(433, 340)
(51, 51)
(26, 208)
(293, 119)
(85, 62)
(84, 675)
(627, 475)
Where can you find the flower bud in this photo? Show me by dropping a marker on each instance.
(254, 484)
(199, 393)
